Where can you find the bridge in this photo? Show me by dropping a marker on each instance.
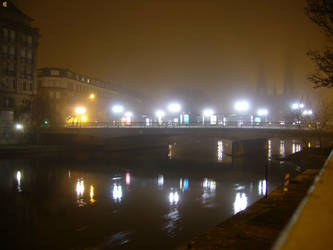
(245, 137)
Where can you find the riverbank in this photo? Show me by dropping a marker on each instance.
(259, 226)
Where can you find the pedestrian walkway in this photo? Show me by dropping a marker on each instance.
(311, 226)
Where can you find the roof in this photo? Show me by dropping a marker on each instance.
(11, 11)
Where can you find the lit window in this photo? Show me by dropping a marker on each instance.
(4, 4)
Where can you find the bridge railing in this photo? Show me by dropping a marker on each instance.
(256, 125)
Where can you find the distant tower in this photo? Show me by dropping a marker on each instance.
(288, 82)
(261, 88)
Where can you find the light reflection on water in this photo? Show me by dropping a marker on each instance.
(117, 192)
(164, 202)
(18, 178)
(240, 202)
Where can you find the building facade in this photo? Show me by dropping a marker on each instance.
(18, 53)
(61, 92)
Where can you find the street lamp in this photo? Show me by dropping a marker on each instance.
(117, 109)
(174, 107)
(128, 117)
(297, 106)
(80, 111)
(207, 113)
(160, 114)
(19, 126)
(307, 112)
(262, 112)
(242, 106)
(92, 96)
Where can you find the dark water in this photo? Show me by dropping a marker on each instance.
(134, 200)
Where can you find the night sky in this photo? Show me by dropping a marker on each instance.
(215, 48)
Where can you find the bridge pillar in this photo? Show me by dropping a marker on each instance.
(248, 147)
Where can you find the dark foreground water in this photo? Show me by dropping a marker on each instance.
(150, 199)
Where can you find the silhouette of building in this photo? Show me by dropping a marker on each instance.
(18, 52)
(60, 91)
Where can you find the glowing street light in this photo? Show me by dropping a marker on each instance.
(80, 110)
(92, 96)
(128, 114)
(242, 106)
(262, 112)
(297, 106)
(307, 112)
(117, 109)
(19, 126)
(208, 112)
(174, 107)
(160, 114)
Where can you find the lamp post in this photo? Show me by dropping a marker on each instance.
(242, 106)
(263, 112)
(79, 112)
(117, 109)
(174, 108)
(206, 113)
(160, 114)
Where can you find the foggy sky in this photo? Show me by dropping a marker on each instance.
(219, 48)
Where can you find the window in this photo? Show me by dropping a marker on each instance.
(12, 34)
(4, 49)
(28, 69)
(31, 86)
(58, 95)
(4, 4)
(54, 72)
(11, 66)
(24, 38)
(29, 54)
(5, 32)
(51, 94)
(12, 50)
(14, 84)
(29, 39)
(23, 52)
(24, 85)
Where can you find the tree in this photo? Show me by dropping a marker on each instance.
(321, 13)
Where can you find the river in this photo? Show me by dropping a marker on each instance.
(147, 199)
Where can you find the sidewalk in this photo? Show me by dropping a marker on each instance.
(311, 226)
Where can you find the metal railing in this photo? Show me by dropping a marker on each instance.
(252, 125)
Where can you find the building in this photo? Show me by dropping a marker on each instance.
(18, 53)
(61, 92)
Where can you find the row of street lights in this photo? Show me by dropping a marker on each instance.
(241, 107)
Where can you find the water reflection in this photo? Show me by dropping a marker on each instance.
(219, 151)
(240, 202)
(18, 178)
(172, 151)
(282, 149)
(183, 184)
(209, 187)
(173, 198)
(262, 187)
(117, 192)
(80, 192)
(92, 194)
(160, 181)
(128, 179)
(269, 150)
(296, 148)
